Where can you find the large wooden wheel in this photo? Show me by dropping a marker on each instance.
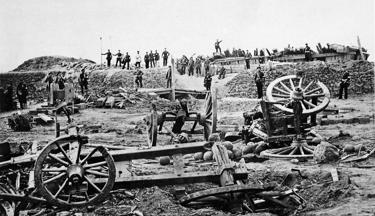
(209, 119)
(314, 96)
(66, 172)
(299, 149)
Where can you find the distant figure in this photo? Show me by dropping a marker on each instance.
(168, 77)
(60, 81)
(83, 81)
(345, 82)
(307, 53)
(22, 95)
(207, 81)
(118, 59)
(126, 61)
(157, 58)
(147, 60)
(191, 67)
(138, 60)
(217, 46)
(184, 64)
(222, 73)
(49, 81)
(108, 58)
(259, 81)
(198, 66)
(165, 55)
(8, 97)
(152, 60)
(138, 78)
(247, 59)
(207, 66)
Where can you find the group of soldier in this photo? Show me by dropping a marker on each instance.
(150, 59)
(6, 97)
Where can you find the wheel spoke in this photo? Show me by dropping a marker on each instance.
(308, 103)
(313, 91)
(292, 84)
(95, 164)
(89, 156)
(308, 86)
(280, 95)
(58, 160)
(97, 173)
(300, 83)
(285, 87)
(54, 178)
(92, 184)
(301, 150)
(315, 95)
(61, 188)
(282, 100)
(308, 150)
(53, 170)
(303, 105)
(78, 152)
(294, 151)
(63, 152)
(280, 90)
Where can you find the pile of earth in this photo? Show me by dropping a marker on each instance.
(361, 73)
(50, 62)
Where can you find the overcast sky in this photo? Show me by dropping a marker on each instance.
(32, 28)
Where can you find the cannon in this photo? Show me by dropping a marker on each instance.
(289, 111)
(208, 119)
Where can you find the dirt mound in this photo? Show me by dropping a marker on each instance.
(49, 62)
(361, 72)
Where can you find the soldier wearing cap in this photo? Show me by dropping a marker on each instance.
(259, 81)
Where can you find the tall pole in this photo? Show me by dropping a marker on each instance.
(173, 86)
(360, 48)
(101, 52)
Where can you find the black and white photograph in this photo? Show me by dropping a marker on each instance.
(187, 107)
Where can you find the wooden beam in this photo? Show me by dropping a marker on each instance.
(169, 179)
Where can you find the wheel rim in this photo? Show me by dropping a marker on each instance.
(298, 149)
(66, 172)
(291, 87)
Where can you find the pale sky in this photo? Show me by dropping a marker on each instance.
(32, 28)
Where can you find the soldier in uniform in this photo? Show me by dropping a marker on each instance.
(126, 61)
(138, 60)
(138, 78)
(198, 66)
(259, 81)
(83, 81)
(151, 59)
(344, 84)
(307, 53)
(168, 77)
(165, 55)
(247, 59)
(207, 81)
(222, 73)
(22, 95)
(118, 59)
(108, 57)
(157, 58)
(191, 67)
(147, 60)
(217, 46)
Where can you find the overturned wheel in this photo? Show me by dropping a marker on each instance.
(314, 95)
(66, 173)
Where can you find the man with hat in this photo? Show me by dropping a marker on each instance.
(259, 81)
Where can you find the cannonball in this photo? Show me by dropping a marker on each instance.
(215, 137)
(228, 145)
(349, 148)
(230, 154)
(316, 141)
(260, 147)
(208, 156)
(164, 160)
(237, 152)
(246, 149)
(356, 138)
(198, 156)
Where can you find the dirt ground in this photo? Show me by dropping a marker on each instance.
(353, 194)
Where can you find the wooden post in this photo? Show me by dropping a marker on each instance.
(57, 129)
(173, 86)
(360, 48)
